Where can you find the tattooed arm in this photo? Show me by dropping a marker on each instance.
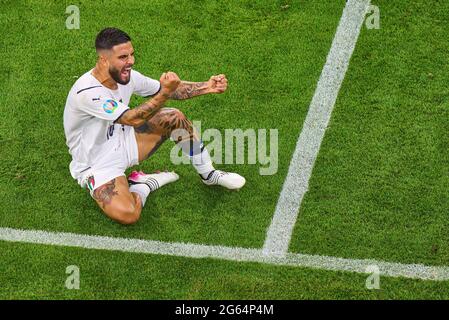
(186, 90)
(139, 115)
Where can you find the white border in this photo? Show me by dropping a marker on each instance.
(275, 250)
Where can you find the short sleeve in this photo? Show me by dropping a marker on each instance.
(144, 86)
(95, 103)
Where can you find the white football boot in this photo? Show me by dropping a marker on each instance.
(230, 180)
(153, 180)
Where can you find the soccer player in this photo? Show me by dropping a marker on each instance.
(105, 136)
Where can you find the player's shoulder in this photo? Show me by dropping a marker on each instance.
(87, 86)
(134, 72)
(87, 83)
(137, 76)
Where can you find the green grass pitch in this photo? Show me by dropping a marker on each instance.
(379, 188)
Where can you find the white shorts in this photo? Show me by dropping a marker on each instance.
(116, 156)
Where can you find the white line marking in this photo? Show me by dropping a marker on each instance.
(297, 182)
(414, 271)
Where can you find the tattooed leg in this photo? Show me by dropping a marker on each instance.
(172, 123)
(117, 202)
(149, 139)
(105, 193)
(166, 123)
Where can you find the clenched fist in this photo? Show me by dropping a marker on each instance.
(169, 82)
(217, 84)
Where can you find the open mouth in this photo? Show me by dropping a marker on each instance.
(126, 72)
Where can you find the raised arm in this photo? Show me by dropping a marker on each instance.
(187, 90)
(139, 115)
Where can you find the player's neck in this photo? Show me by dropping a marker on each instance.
(103, 76)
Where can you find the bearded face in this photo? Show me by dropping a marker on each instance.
(122, 76)
(120, 60)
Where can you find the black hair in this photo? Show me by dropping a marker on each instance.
(109, 37)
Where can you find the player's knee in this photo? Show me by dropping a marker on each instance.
(178, 115)
(128, 214)
(179, 127)
(129, 218)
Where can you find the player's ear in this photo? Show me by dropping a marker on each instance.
(102, 56)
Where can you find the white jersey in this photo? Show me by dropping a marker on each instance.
(90, 114)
